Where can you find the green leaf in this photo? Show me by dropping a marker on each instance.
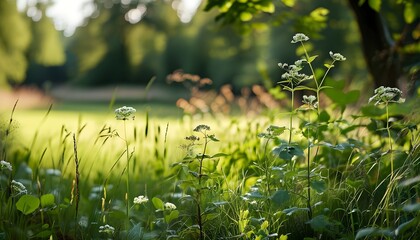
(375, 4)
(158, 204)
(47, 200)
(373, 232)
(213, 138)
(268, 7)
(339, 97)
(410, 13)
(44, 234)
(411, 207)
(318, 186)
(136, 232)
(319, 223)
(319, 14)
(324, 116)
(27, 204)
(280, 197)
(245, 16)
(299, 88)
(312, 58)
(328, 65)
(287, 152)
(283, 237)
(195, 174)
(217, 155)
(290, 211)
(406, 226)
(372, 111)
(289, 3)
(172, 216)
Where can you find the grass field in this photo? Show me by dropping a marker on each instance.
(319, 168)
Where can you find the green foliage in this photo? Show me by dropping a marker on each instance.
(338, 174)
(27, 204)
(16, 38)
(47, 47)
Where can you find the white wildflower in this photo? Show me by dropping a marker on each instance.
(107, 229)
(386, 95)
(169, 206)
(83, 221)
(18, 188)
(300, 37)
(5, 165)
(124, 113)
(337, 56)
(140, 199)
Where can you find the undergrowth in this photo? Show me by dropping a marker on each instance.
(322, 172)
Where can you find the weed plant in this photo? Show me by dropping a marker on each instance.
(326, 171)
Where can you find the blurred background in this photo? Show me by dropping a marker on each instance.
(59, 47)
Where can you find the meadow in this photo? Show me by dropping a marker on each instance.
(314, 169)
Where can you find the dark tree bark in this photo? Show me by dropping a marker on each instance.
(380, 51)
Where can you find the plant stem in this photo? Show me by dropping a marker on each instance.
(200, 174)
(291, 115)
(127, 197)
(308, 169)
(388, 129)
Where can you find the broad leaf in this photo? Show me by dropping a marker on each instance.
(318, 186)
(319, 223)
(136, 232)
(287, 152)
(280, 197)
(290, 211)
(159, 205)
(27, 204)
(47, 200)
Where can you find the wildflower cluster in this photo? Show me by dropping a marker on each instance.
(170, 206)
(299, 37)
(385, 95)
(201, 128)
(192, 138)
(310, 101)
(107, 229)
(18, 188)
(337, 56)
(124, 113)
(140, 199)
(5, 165)
(292, 72)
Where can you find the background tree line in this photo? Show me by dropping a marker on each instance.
(129, 42)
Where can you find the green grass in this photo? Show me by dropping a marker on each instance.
(314, 171)
(41, 141)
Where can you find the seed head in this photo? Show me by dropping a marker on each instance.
(201, 128)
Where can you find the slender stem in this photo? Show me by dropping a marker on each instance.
(267, 167)
(310, 65)
(308, 169)
(388, 129)
(127, 195)
(200, 174)
(291, 115)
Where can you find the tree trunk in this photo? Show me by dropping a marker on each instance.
(379, 49)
